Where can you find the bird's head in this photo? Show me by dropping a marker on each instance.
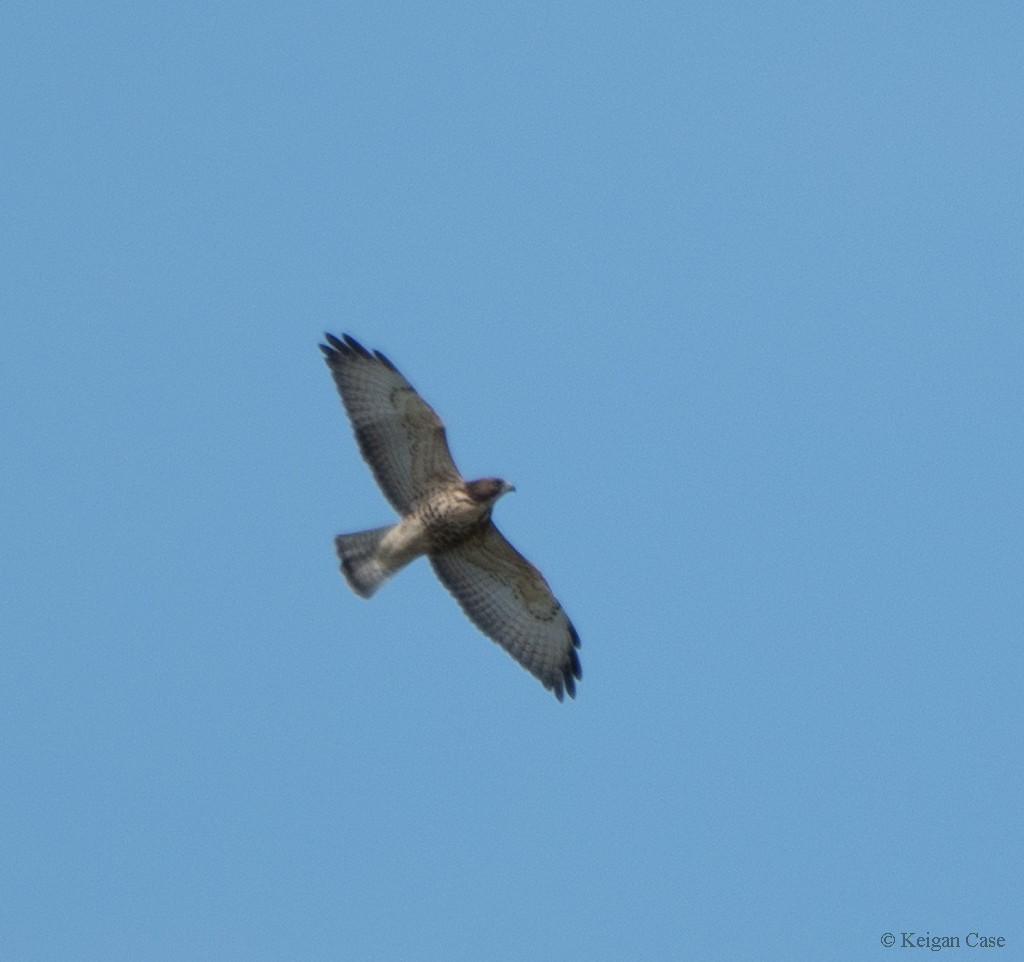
(488, 490)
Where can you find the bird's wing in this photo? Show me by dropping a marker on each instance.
(400, 436)
(508, 599)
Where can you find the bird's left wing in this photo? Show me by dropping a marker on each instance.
(401, 438)
(508, 599)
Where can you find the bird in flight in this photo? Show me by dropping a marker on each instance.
(444, 517)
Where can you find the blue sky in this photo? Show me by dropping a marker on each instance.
(733, 294)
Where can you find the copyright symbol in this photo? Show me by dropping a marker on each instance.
(888, 940)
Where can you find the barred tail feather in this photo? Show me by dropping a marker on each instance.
(360, 560)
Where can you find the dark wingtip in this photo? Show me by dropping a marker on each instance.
(333, 349)
(574, 635)
(571, 669)
(354, 345)
(347, 346)
(571, 672)
(385, 361)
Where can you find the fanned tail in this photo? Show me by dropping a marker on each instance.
(360, 560)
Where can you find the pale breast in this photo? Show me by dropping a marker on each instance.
(449, 517)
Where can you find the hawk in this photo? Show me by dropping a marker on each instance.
(444, 517)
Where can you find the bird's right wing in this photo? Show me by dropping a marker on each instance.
(508, 599)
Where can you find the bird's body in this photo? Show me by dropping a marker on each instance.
(445, 518)
(442, 520)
